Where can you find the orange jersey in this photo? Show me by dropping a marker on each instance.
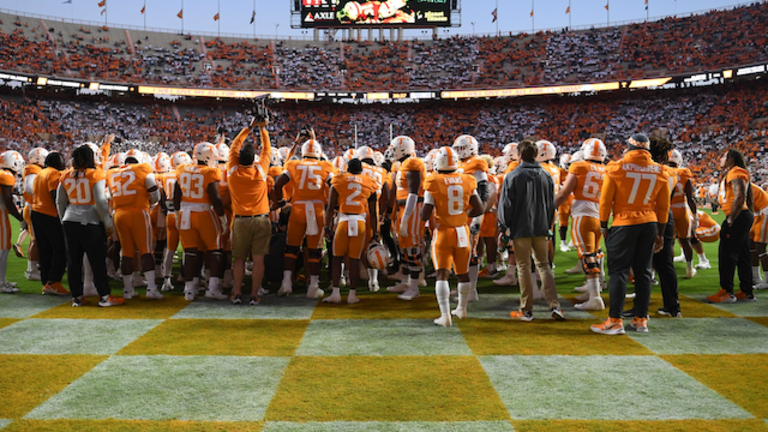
(586, 195)
(353, 191)
(45, 182)
(128, 186)
(167, 182)
(30, 169)
(401, 180)
(377, 174)
(274, 173)
(553, 171)
(473, 165)
(193, 180)
(512, 165)
(678, 193)
(79, 185)
(6, 178)
(308, 178)
(636, 189)
(760, 198)
(726, 188)
(450, 194)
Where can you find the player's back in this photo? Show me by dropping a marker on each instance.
(353, 192)
(760, 198)
(472, 165)
(451, 193)
(589, 180)
(412, 164)
(127, 185)
(678, 193)
(638, 181)
(193, 180)
(30, 169)
(308, 178)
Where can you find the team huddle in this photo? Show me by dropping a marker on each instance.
(100, 214)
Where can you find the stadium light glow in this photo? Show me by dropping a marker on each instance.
(653, 82)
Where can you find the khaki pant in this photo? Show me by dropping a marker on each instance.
(540, 248)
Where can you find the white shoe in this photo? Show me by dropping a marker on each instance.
(399, 288)
(575, 269)
(594, 304)
(443, 321)
(761, 286)
(315, 293)
(154, 294)
(409, 294)
(690, 272)
(629, 296)
(564, 248)
(703, 265)
(215, 294)
(262, 291)
(335, 299)
(582, 297)
(8, 289)
(581, 289)
(473, 296)
(422, 282)
(139, 281)
(32, 276)
(373, 285)
(285, 289)
(570, 244)
(757, 281)
(248, 272)
(89, 290)
(509, 279)
(189, 295)
(167, 285)
(459, 313)
(680, 258)
(399, 276)
(130, 294)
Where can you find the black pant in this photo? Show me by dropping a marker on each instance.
(628, 247)
(91, 240)
(733, 253)
(50, 247)
(664, 265)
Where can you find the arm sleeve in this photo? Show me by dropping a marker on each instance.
(410, 205)
(266, 150)
(62, 201)
(149, 183)
(102, 206)
(234, 151)
(606, 198)
(428, 198)
(482, 185)
(29, 184)
(662, 204)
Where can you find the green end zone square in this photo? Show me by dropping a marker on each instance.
(704, 336)
(26, 305)
(271, 307)
(202, 388)
(742, 309)
(71, 336)
(498, 306)
(342, 426)
(602, 388)
(381, 337)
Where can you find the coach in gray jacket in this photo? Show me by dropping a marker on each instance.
(527, 210)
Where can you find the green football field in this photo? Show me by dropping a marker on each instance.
(292, 364)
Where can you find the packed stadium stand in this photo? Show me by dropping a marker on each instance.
(672, 45)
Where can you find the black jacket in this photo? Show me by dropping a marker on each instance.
(527, 201)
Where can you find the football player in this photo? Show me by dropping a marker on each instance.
(11, 164)
(36, 162)
(366, 155)
(683, 209)
(178, 160)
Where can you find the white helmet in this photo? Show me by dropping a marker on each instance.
(401, 147)
(339, 163)
(378, 158)
(465, 146)
(222, 152)
(565, 160)
(593, 149)
(284, 152)
(429, 160)
(37, 156)
(311, 148)
(349, 155)
(206, 153)
(365, 152)
(377, 255)
(162, 163)
(510, 152)
(145, 158)
(547, 151)
(577, 156)
(676, 157)
(275, 159)
(179, 159)
(445, 159)
(500, 163)
(12, 160)
(134, 153)
(116, 160)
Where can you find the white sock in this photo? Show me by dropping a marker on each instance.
(689, 264)
(464, 288)
(314, 281)
(150, 275)
(195, 283)
(373, 274)
(167, 263)
(443, 292)
(702, 257)
(31, 266)
(189, 286)
(213, 284)
(593, 287)
(756, 272)
(287, 276)
(335, 292)
(413, 283)
(128, 283)
(491, 267)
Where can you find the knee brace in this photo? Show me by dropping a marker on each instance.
(474, 261)
(590, 264)
(315, 255)
(413, 257)
(292, 251)
(695, 240)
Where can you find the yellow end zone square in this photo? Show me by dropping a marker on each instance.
(657, 426)
(131, 425)
(5, 322)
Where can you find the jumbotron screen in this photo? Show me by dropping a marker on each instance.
(398, 13)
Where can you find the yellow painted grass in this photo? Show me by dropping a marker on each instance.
(220, 337)
(379, 306)
(5, 322)
(130, 425)
(624, 426)
(691, 308)
(739, 377)
(543, 337)
(132, 309)
(29, 380)
(404, 388)
(759, 320)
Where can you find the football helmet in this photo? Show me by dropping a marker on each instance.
(378, 158)
(429, 160)
(162, 163)
(116, 160)
(565, 160)
(206, 153)
(311, 148)
(222, 152)
(401, 147)
(510, 152)
(377, 255)
(349, 155)
(134, 153)
(465, 146)
(500, 163)
(365, 152)
(284, 152)
(37, 156)
(275, 159)
(445, 159)
(676, 157)
(145, 158)
(547, 151)
(12, 160)
(179, 159)
(577, 156)
(593, 149)
(339, 163)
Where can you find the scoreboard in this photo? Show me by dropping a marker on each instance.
(375, 13)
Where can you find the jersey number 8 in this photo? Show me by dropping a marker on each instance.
(455, 200)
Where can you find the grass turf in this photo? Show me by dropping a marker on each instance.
(658, 426)
(130, 425)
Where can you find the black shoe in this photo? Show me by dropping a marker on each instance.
(664, 312)
(557, 314)
(236, 299)
(254, 301)
(629, 313)
(78, 301)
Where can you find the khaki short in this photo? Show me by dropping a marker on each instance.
(251, 235)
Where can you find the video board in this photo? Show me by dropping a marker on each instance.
(375, 13)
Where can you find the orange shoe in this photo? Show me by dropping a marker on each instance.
(18, 251)
(611, 326)
(722, 296)
(484, 273)
(639, 324)
(111, 301)
(300, 279)
(526, 316)
(743, 297)
(55, 288)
